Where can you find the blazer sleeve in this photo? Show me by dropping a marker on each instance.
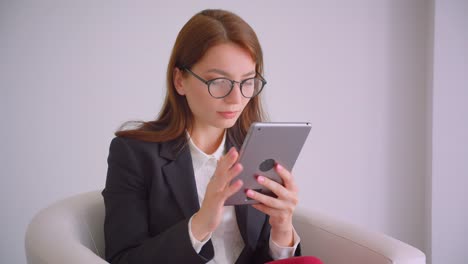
(126, 225)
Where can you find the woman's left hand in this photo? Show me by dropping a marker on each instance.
(279, 209)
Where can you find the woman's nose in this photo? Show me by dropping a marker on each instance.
(235, 96)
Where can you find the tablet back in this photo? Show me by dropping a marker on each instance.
(265, 145)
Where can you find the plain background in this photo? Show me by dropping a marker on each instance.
(384, 83)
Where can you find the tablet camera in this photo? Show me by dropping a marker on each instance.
(267, 165)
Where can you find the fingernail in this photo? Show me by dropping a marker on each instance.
(250, 193)
(231, 151)
(260, 179)
(278, 166)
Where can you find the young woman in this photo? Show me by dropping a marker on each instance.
(168, 179)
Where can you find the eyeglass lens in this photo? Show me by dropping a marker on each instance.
(222, 87)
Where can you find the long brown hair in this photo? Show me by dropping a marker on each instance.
(203, 31)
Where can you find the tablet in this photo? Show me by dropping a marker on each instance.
(265, 145)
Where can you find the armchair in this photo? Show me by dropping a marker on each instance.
(71, 231)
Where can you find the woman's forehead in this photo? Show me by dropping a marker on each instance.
(225, 59)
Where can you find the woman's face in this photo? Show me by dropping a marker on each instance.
(225, 60)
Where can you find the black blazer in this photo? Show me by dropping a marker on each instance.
(149, 197)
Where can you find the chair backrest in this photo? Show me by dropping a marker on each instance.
(69, 231)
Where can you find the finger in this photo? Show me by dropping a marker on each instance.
(264, 209)
(286, 176)
(231, 173)
(225, 166)
(228, 160)
(265, 199)
(272, 212)
(277, 217)
(273, 186)
(233, 188)
(222, 180)
(234, 171)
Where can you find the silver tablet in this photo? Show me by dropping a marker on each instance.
(265, 145)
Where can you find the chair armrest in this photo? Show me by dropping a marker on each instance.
(64, 232)
(337, 242)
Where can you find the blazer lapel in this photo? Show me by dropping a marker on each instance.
(180, 176)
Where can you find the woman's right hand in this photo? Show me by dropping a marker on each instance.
(207, 219)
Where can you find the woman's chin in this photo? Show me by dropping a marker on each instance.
(227, 123)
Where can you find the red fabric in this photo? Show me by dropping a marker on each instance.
(297, 260)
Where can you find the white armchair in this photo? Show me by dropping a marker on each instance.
(71, 231)
(336, 242)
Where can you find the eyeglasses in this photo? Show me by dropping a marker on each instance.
(222, 87)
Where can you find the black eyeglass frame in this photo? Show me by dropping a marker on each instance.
(208, 82)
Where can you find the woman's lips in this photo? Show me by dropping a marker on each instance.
(228, 114)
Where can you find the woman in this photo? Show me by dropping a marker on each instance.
(168, 179)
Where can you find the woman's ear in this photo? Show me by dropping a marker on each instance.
(178, 81)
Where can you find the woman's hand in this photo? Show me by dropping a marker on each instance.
(279, 209)
(207, 219)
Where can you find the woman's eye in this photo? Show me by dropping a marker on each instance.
(249, 82)
(220, 81)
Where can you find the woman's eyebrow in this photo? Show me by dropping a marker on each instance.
(221, 72)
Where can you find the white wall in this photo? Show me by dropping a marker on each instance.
(72, 72)
(450, 133)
